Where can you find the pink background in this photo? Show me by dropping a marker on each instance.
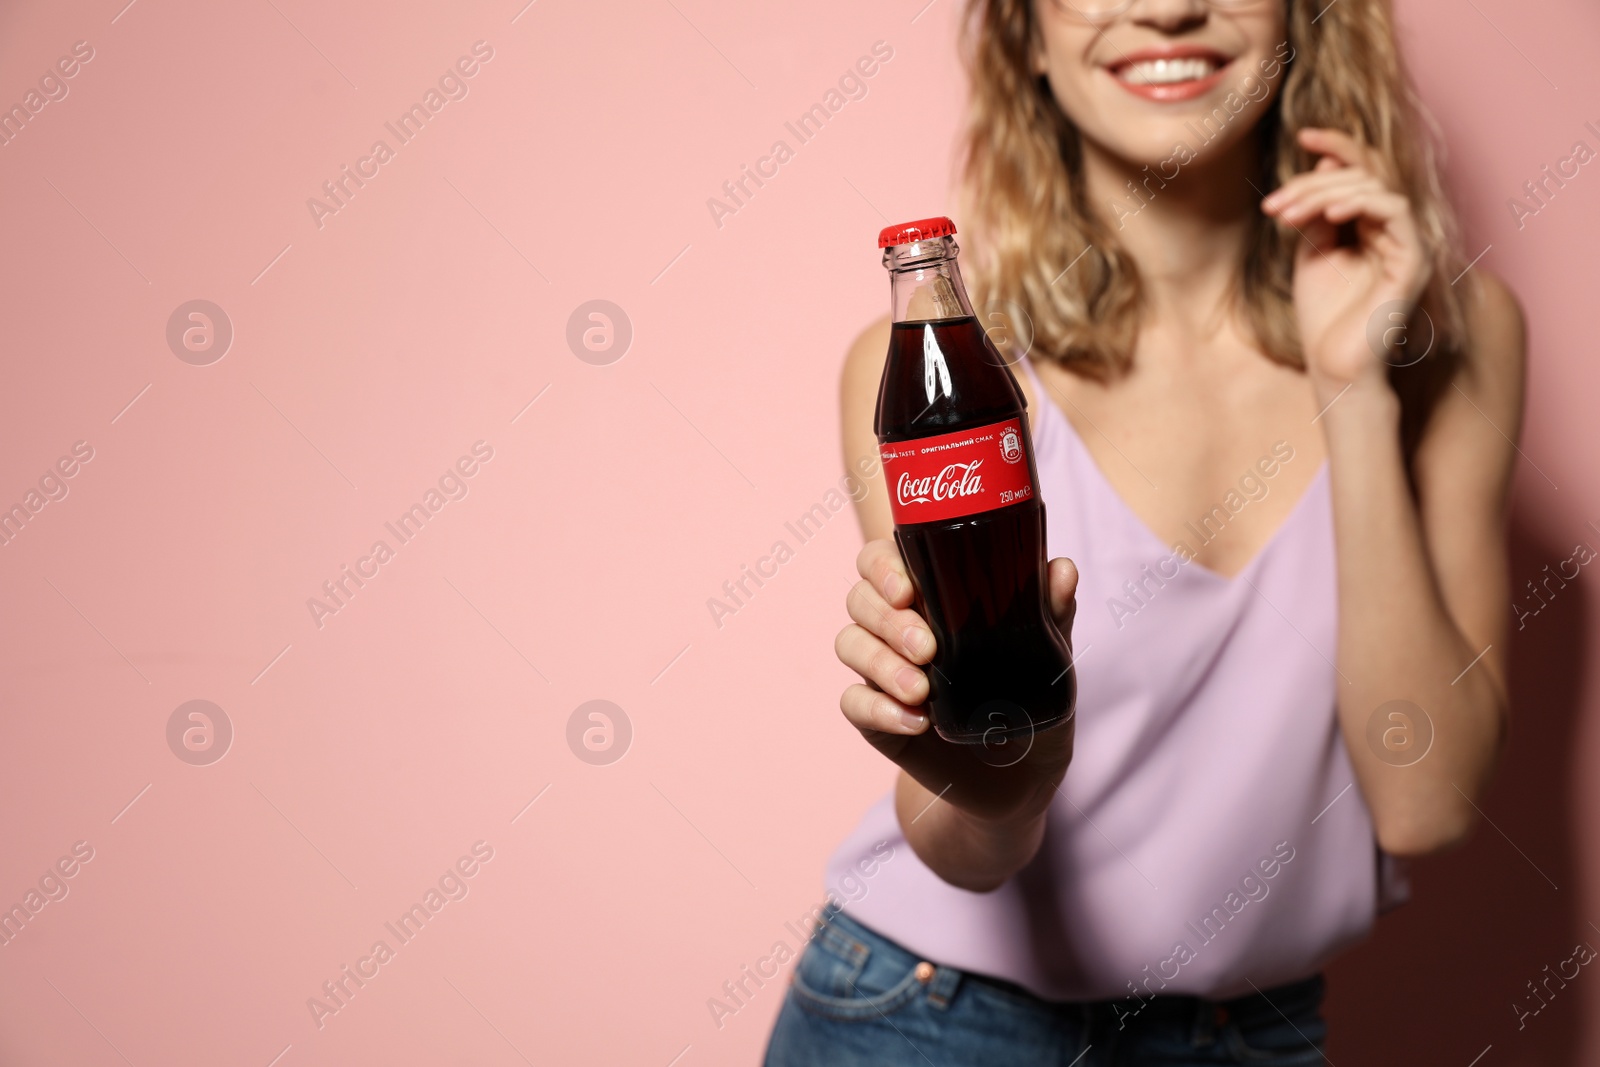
(369, 354)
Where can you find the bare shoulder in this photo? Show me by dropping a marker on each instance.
(1498, 334)
(1467, 452)
(863, 363)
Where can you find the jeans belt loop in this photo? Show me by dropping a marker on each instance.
(942, 989)
(1208, 1019)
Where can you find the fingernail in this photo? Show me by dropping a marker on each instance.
(916, 639)
(908, 680)
(891, 586)
(912, 720)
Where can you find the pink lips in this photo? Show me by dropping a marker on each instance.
(1171, 91)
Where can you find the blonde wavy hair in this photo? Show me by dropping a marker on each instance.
(1025, 207)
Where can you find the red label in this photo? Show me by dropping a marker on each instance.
(956, 474)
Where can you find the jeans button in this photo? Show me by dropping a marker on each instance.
(924, 972)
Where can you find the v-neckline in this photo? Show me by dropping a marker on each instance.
(1076, 441)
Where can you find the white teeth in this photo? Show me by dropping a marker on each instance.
(1166, 71)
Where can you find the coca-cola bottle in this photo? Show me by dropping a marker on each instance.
(958, 463)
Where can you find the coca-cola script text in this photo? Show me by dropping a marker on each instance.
(956, 474)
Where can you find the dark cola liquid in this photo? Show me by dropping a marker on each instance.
(1002, 669)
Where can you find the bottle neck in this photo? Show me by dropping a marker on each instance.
(925, 283)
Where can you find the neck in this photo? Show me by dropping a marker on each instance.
(1187, 233)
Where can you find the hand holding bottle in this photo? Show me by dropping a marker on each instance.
(997, 792)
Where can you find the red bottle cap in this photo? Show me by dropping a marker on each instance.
(921, 230)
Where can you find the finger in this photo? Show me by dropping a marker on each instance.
(1312, 205)
(901, 628)
(1316, 233)
(1335, 143)
(1304, 187)
(879, 562)
(1311, 180)
(1385, 207)
(873, 712)
(881, 665)
(1063, 576)
(1388, 227)
(1389, 230)
(1346, 150)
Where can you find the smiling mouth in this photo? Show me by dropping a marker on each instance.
(1168, 71)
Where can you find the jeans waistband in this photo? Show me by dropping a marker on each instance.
(1257, 1007)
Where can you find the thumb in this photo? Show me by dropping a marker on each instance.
(1063, 579)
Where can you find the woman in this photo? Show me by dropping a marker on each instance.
(1227, 234)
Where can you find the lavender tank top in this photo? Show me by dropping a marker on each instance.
(1209, 835)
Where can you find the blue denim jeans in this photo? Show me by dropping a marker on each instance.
(859, 999)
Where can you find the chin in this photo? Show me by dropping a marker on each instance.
(1149, 146)
(1194, 131)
